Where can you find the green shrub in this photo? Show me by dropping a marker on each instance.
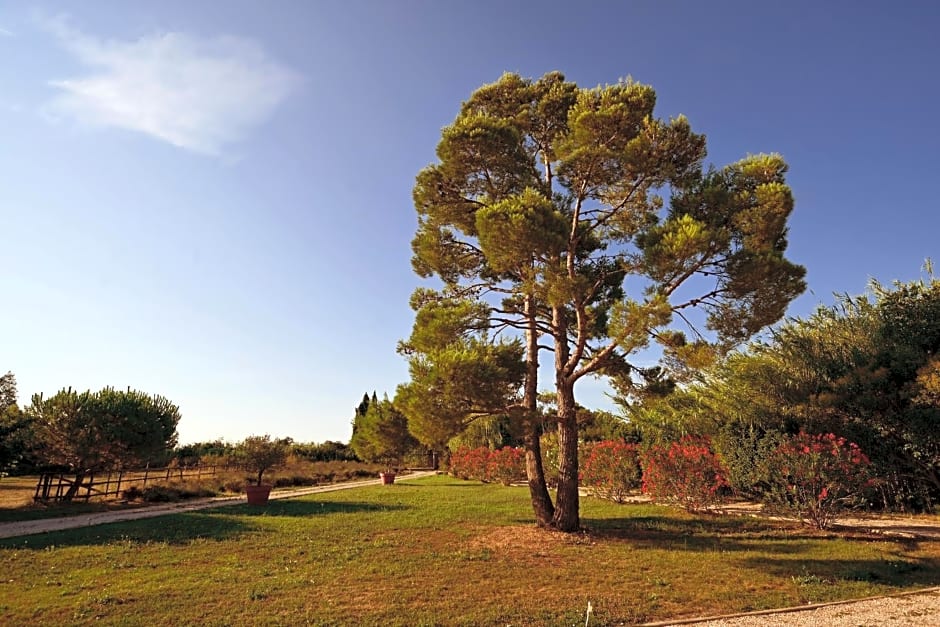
(612, 469)
(744, 449)
(817, 477)
(506, 465)
(686, 473)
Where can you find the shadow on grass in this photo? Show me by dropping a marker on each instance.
(445, 481)
(184, 528)
(39, 511)
(899, 573)
(719, 533)
(174, 529)
(305, 508)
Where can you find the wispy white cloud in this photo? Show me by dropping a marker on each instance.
(6, 33)
(198, 94)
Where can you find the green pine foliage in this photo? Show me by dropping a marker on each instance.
(575, 220)
(90, 431)
(381, 434)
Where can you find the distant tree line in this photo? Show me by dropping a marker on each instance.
(86, 432)
(221, 451)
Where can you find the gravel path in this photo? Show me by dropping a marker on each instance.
(910, 608)
(45, 525)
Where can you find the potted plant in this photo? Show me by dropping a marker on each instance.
(260, 453)
(388, 476)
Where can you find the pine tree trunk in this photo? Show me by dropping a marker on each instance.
(567, 516)
(535, 473)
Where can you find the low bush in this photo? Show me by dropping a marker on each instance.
(168, 493)
(817, 477)
(685, 473)
(506, 465)
(612, 469)
(233, 481)
(483, 464)
(744, 449)
(295, 481)
(470, 463)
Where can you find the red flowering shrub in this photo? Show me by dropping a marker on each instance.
(687, 473)
(482, 464)
(817, 476)
(506, 465)
(612, 469)
(467, 463)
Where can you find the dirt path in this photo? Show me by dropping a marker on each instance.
(30, 527)
(898, 525)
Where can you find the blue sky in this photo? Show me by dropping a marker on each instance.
(213, 202)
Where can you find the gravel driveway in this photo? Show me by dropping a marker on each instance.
(909, 608)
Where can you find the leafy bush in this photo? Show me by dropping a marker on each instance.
(506, 465)
(169, 493)
(744, 449)
(295, 481)
(817, 476)
(467, 463)
(686, 473)
(483, 464)
(133, 493)
(328, 451)
(612, 469)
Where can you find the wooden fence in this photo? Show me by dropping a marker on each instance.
(54, 486)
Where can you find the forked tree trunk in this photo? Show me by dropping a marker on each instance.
(535, 472)
(567, 516)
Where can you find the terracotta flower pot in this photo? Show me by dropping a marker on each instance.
(388, 478)
(258, 494)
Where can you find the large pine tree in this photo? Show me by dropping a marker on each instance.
(575, 216)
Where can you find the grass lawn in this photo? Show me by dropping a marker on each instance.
(437, 551)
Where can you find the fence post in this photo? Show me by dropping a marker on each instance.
(117, 490)
(146, 472)
(91, 480)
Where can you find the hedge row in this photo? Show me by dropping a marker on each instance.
(811, 476)
(505, 465)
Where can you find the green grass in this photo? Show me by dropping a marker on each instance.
(437, 551)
